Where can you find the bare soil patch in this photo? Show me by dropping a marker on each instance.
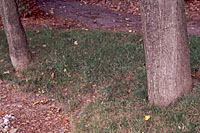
(31, 112)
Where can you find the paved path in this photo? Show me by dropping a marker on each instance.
(99, 17)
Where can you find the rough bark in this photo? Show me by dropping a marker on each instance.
(166, 50)
(18, 46)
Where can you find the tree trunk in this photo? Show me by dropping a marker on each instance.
(18, 46)
(166, 50)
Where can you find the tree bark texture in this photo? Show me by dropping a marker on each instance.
(18, 45)
(166, 50)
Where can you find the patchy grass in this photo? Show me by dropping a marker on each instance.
(195, 53)
(101, 77)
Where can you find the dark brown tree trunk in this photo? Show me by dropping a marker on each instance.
(166, 50)
(18, 46)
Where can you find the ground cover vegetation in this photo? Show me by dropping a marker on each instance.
(100, 76)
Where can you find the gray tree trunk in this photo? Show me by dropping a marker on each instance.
(18, 46)
(166, 50)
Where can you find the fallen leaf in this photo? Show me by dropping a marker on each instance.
(45, 101)
(6, 72)
(68, 74)
(47, 61)
(94, 85)
(140, 40)
(52, 75)
(65, 119)
(147, 117)
(13, 130)
(36, 103)
(2, 113)
(51, 10)
(37, 31)
(76, 43)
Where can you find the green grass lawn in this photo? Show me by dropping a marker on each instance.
(101, 78)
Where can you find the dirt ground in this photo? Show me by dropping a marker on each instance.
(31, 113)
(22, 112)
